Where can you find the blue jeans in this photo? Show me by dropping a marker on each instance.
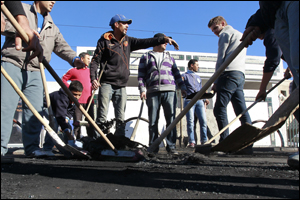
(118, 96)
(230, 88)
(31, 85)
(287, 35)
(199, 109)
(168, 101)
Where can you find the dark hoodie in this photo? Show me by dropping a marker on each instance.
(61, 107)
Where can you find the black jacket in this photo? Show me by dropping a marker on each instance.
(61, 107)
(117, 55)
(264, 18)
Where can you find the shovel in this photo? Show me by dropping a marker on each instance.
(137, 121)
(240, 115)
(57, 78)
(206, 148)
(51, 116)
(92, 97)
(57, 141)
(155, 144)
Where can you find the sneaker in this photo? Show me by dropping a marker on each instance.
(37, 154)
(173, 152)
(72, 143)
(49, 153)
(152, 154)
(191, 145)
(293, 161)
(7, 159)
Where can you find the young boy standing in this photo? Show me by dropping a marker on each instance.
(229, 86)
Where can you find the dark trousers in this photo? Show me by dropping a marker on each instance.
(78, 116)
(230, 88)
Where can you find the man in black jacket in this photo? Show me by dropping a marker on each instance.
(283, 16)
(115, 47)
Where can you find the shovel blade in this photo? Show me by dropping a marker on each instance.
(204, 149)
(128, 154)
(122, 155)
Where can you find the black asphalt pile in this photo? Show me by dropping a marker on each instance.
(95, 147)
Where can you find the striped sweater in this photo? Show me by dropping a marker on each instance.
(156, 77)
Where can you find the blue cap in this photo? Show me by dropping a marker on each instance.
(119, 18)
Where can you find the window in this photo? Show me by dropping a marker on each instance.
(136, 55)
(188, 57)
(90, 52)
(182, 69)
(196, 57)
(177, 57)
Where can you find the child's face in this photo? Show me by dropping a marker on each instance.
(76, 94)
(217, 28)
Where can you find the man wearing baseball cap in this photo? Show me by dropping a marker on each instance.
(115, 47)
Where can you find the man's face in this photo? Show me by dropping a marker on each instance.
(163, 46)
(122, 27)
(86, 59)
(46, 6)
(195, 67)
(76, 94)
(217, 28)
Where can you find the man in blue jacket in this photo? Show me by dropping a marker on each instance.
(115, 47)
(193, 84)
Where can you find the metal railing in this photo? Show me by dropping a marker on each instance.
(292, 131)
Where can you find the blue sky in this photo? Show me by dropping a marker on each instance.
(83, 22)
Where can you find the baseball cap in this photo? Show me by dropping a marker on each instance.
(119, 18)
(161, 35)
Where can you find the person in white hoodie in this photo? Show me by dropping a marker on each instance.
(229, 86)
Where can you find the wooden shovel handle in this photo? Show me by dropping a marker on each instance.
(137, 121)
(92, 97)
(55, 76)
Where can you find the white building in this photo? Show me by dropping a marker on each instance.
(254, 71)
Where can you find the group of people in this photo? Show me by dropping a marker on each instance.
(158, 75)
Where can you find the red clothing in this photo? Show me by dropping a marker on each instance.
(82, 75)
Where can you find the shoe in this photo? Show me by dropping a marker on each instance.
(37, 154)
(152, 154)
(7, 159)
(173, 152)
(191, 145)
(49, 153)
(78, 144)
(293, 161)
(72, 144)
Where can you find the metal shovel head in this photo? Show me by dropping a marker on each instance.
(208, 95)
(77, 153)
(122, 155)
(119, 154)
